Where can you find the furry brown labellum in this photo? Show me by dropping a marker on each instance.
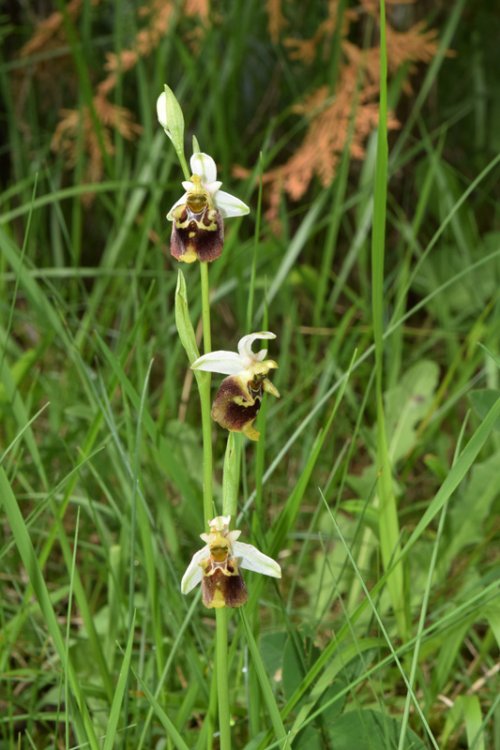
(222, 584)
(239, 399)
(197, 229)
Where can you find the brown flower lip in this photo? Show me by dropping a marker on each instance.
(222, 584)
(239, 398)
(196, 235)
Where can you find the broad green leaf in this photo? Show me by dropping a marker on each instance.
(492, 613)
(482, 401)
(183, 321)
(472, 507)
(370, 730)
(474, 726)
(271, 647)
(407, 404)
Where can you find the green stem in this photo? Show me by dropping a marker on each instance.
(182, 161)
(221, 616)
(231, 475)
(204, 388)
(205, 307)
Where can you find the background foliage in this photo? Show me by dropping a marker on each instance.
(100, 479)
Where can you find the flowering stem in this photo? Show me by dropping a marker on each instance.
(205, 308)
(231, 475)
(183, 163)
(221, 616)
(204, 388)
(221, 671)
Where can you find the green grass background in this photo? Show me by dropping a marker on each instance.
(376, 479)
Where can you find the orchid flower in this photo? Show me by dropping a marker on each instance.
(239, 397)
(216, 566)
(197, 217)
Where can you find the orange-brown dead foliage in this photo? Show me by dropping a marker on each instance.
(349, 104)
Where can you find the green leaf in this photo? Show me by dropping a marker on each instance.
(482, 401)
(299, 654)
(407, 404)
(457, 473)
(492, 613)
(18, 371)
(271, 647)
(183, 321)
(121, 686)
(474, 722)
(467, 527)
(370, 730)
(265, 685)
(310, 739)
(196, 145)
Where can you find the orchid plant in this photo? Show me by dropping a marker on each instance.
(198, 235)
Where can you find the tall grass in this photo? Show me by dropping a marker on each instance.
(375, 478)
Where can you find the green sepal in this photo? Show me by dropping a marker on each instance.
(196, 146)
(183, 321)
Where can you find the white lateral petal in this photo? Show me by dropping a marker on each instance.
(253, 559)
(213, 187)
(193, 575)
(187, 185)
(181, 200)
(245, 345)
(161, 110)
(229, 205)
(204, 166)
(226, 363)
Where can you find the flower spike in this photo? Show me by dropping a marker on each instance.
(239, 397)
(216, 566)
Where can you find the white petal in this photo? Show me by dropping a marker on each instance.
(161, 110)
(220, 523)
(213, 187)
(181, 200)
(188, 185)
(193, 575)
(226, 363)
(245, 345)
(204, 166)
(229, 205)
(253, 559)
